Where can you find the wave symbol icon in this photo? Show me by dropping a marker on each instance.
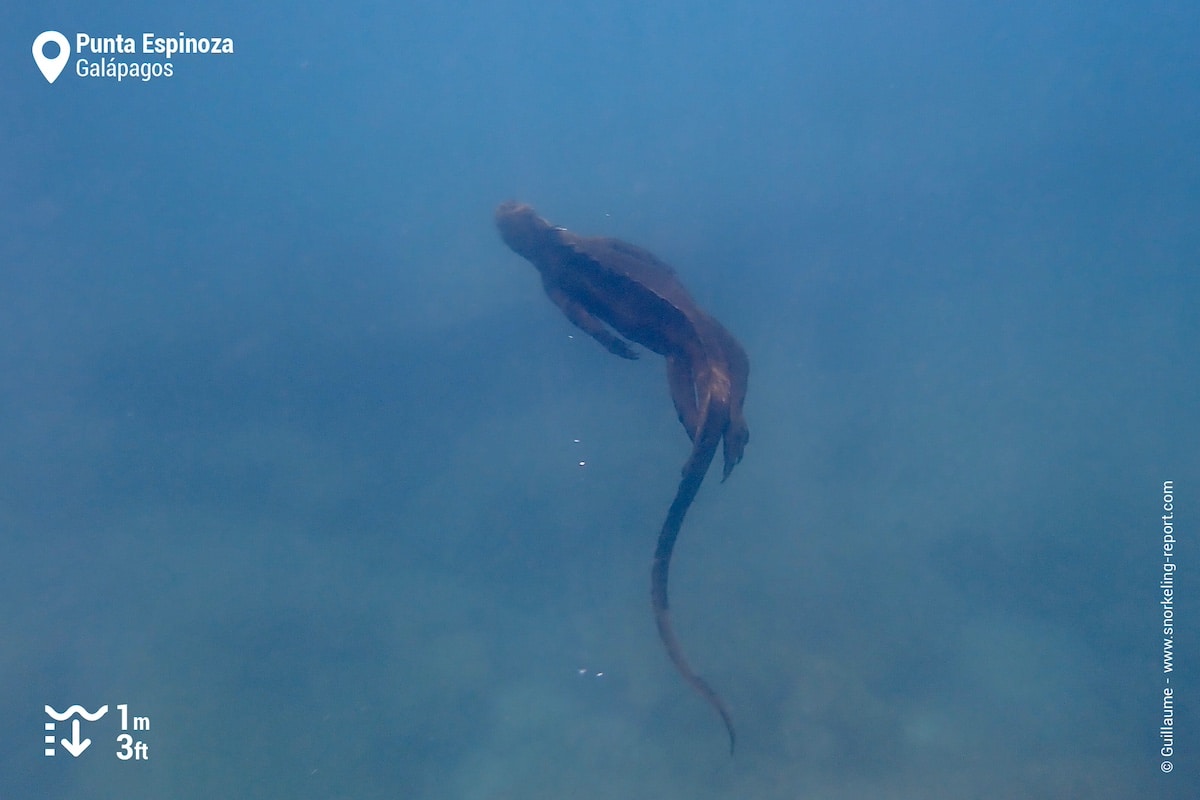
(77, 709)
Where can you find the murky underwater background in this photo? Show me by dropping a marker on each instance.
(291, 443)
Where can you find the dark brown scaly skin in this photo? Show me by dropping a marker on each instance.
(606, 285)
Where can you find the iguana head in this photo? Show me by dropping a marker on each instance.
(521, 228)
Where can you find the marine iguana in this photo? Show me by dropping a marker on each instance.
(605, 285)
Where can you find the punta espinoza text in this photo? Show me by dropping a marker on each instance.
(152, 44)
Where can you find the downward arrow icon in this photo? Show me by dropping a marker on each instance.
(74, 746)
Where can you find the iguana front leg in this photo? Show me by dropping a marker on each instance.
(583, 319)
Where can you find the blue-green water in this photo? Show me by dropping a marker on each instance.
(290, 443)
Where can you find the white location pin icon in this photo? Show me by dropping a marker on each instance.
(51, 67)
